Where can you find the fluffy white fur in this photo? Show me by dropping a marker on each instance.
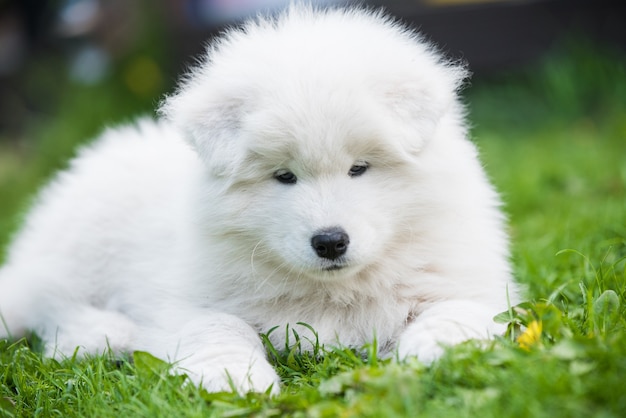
(175, 237)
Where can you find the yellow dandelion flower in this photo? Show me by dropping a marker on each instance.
(531, 336)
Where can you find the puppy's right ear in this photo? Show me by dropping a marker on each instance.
(209, 116)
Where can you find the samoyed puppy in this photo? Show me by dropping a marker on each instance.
(314, 169)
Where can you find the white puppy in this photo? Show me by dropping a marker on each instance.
(314, 168)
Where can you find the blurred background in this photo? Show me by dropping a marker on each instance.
(543, 70)
(47, 46)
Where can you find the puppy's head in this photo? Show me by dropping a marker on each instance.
(312, 122)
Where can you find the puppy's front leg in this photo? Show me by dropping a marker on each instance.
(217, 351)
(444, 324)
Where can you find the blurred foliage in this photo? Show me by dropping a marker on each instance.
(553, 136)
(58, 112)
(578, 81)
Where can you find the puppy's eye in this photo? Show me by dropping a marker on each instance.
(285, 177)
(358, 169)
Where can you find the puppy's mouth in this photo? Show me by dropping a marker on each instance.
(334, 270)
(334, 267)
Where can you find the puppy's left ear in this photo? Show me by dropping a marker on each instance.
(418, 102)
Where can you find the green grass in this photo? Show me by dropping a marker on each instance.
(553, 139)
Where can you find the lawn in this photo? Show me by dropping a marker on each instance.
(553, 139)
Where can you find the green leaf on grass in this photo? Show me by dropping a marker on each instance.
(147, 364)
(606, 309)
(7, 406)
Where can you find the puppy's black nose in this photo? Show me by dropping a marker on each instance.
(330, 243)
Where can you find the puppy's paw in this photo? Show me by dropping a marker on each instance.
(244, 378)
(444, 325)
(235, 374)
(427, 339)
